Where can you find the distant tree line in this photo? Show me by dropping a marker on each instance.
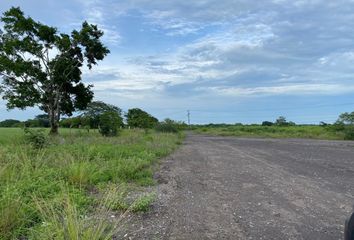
(343, 126)
(280, 121)
(41, 120)
(105, 117)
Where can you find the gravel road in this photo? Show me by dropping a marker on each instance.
(241, 188)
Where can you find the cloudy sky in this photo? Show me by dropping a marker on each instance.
(224, 60)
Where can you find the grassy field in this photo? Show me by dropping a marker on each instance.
(313, 132)
(57, 192)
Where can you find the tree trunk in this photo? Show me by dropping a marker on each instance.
(54, 123)
(54, 114)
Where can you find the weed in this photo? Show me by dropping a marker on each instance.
(70, 170)
(143, 203)
(66, 222)
(36, 138)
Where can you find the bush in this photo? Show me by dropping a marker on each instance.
(167, 126)
(37, 138)
(349, 133)
(267, 123)
(109, 123)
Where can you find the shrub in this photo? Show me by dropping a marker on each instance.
(166, 127)
(37, 138)
(110, 122)
(267, 123)
(349, 133)
(170, 126)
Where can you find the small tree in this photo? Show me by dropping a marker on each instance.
(281, 121)
(41, 67)
(346, 118)
(345, 123)
(109, 123)
(95, 109)
(138, 118)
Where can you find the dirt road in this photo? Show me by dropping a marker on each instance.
(237, 188)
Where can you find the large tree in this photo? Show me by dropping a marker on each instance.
(42, 67)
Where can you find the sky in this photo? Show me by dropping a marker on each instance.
(227, 61)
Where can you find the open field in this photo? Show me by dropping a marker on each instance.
(51, 192)
(247, 188)
(310, 131)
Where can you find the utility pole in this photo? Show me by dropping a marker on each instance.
(189, 117)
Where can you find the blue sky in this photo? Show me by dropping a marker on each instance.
(224, 60)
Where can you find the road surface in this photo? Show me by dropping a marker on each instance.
(242, 188)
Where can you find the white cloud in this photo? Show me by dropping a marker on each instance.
(99, 13)
(299, 89)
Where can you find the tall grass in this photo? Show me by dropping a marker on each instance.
(77, 165)
(66, 222)
(310, 131)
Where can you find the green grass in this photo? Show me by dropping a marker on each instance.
(78, 166)
(312, 132)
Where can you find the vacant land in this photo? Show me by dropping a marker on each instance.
(312, 132)
(243, 188)
(53, 193)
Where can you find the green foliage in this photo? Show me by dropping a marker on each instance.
(143, 203)
(43, 120)
(267, 123)
(137, 203)
(306, 131)
(137, 118)
(37, 138)
(281, 121)
(346, 118)
(109, 123)
(72, 168)
(81, 174)
(94, 111)
(66, 222)
(41, 67)
(349, 132)
(12, 217)
(170, 126)
(8, 123)
(74, 122)
(345, 123)
(324, 124)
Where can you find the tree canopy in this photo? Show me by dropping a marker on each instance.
(346, 118)
(95, 109)
(138, 118)
(42, 67)
(10, 123)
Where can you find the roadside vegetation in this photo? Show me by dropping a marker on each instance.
(64, 183)
(342, 129)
